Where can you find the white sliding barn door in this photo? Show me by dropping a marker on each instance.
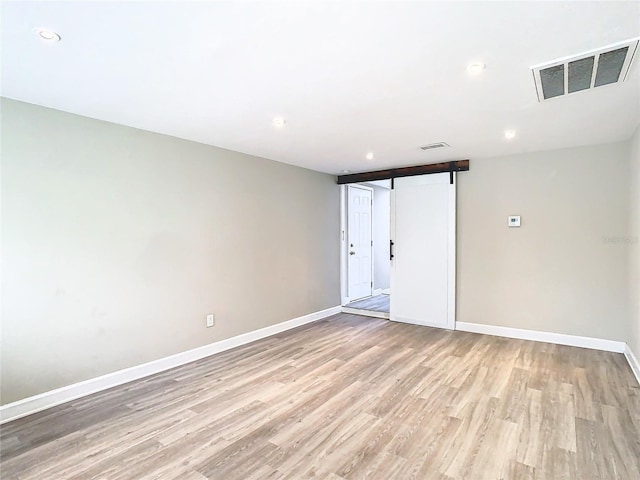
(423, 266)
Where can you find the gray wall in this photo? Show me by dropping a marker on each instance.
(117, 242)
(634, 243)
(565, 270)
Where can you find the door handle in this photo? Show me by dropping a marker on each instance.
(352, 253)
(391, 249)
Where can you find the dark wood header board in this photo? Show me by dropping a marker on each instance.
(457, 166)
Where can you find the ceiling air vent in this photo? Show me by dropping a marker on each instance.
(431, 146)
(595, 68)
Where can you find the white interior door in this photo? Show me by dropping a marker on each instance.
(359, 244)
(423, 264)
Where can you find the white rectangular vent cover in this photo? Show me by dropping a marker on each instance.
(595, 68)
(434, 145)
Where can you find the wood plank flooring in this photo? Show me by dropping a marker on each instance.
(350, 398)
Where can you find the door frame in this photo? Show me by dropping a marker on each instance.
(344, 240)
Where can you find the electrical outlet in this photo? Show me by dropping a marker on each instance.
(211, 320)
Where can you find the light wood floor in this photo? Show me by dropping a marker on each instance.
(350, 398)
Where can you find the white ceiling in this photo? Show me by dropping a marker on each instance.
(348, 77)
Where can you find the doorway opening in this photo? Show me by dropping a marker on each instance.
(418, 249)
(366, 248)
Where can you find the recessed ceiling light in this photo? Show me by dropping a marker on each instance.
(346, 171)
(475, 68)
(510, 134)
(48, 35)
(279, 122)
(369, 156)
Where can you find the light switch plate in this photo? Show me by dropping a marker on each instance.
(514, 220)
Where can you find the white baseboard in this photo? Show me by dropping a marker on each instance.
(376, 292)
(37, 403)
(633, 362)
(536, 336)
(386, 291)
(365, 313)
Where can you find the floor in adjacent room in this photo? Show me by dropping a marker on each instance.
(378, 303)
(350, 397)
